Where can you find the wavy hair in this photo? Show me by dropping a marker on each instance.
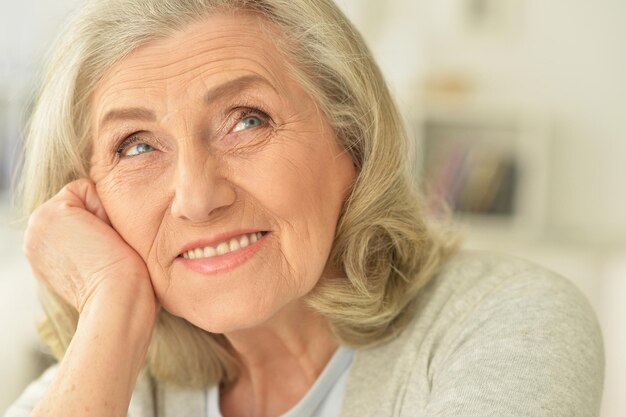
(384, 245)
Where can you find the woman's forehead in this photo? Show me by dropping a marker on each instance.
(199, 59)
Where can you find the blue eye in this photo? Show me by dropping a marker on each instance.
(139, 149)
(247, 123)
(125, 149)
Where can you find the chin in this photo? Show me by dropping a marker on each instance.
(222, 318)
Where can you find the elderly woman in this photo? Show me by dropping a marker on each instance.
(223, 223)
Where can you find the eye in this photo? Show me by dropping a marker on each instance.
(247, 123)
(139, 149)
(126, 150)
(249, 119)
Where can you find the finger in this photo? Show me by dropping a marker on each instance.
(85, 190)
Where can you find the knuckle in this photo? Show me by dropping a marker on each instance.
(29, 245)
(39, 216)
(79, 184)
(26, 247)
(33, 221)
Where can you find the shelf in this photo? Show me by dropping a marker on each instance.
(488, 162)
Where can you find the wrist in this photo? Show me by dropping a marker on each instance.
(115, 330)
(131, 293)
(126, 306)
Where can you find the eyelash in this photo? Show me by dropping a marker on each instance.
(243, 112)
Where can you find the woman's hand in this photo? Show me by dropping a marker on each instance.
(72, 247)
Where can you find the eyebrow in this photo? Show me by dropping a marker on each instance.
(214, 94)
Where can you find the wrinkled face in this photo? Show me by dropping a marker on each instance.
(203, 137)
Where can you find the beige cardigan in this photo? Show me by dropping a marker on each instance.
(493, 335)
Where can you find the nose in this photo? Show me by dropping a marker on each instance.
(199, 189)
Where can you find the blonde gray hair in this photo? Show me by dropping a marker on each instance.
(383, 243)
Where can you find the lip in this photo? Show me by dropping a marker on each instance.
(201, 243)
(222, 263)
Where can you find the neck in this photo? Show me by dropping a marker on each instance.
(279, 361)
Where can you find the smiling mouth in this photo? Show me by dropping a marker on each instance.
(227, 246)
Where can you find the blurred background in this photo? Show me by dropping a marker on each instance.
(518, 110)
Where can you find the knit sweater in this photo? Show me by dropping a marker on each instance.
(492, 335)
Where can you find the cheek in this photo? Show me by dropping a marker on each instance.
(301, 188)
(131, 203)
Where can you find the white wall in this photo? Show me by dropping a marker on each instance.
(567, 60)
(578, 58)
(28, 27)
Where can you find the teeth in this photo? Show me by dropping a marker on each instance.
(234, 244)
(222, 248)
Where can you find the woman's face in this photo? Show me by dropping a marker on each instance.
(202, 137)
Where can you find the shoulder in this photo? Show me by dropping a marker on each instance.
(480, 285)
(495, 332)
(470, 273)
(525, 337)
(522, 336)
(479, 295)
